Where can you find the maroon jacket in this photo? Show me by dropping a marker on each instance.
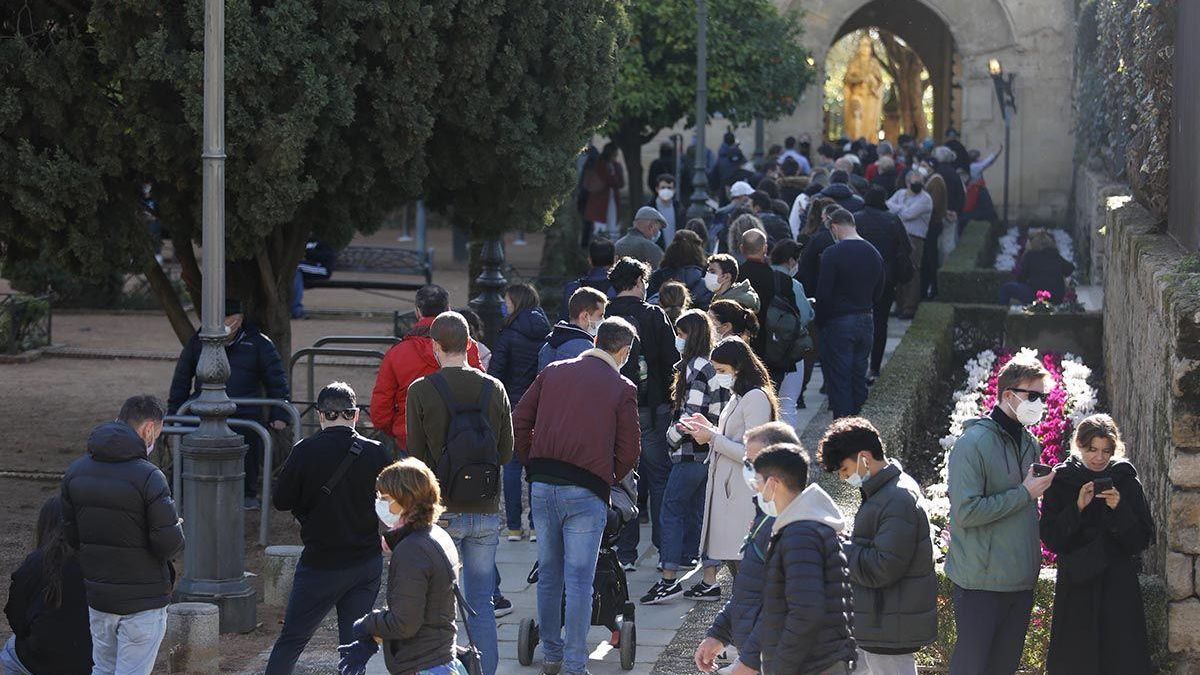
(578, 422)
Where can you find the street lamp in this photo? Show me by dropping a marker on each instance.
(1008, 106)
(213, 455)
(699, 207)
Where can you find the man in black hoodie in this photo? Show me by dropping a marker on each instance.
(328, 483)
(839, 190)
(119, 514)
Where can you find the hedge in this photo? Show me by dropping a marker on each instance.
(969, 275)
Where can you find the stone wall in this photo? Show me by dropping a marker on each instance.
(1092, 190)
(1152, 366)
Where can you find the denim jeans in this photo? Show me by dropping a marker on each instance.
(683, 513)
(126, 644)
(477, 535)
(846, 350)
(570, 522)
(512, 495)
(9, 663)
(351, 589)
(654, 466)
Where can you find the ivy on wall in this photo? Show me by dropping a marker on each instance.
(1124, 85)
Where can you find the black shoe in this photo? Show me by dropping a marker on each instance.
(662, 591)
(690, 564)
(503, 606)
(800, 405)
(872, 377)
(704, 592)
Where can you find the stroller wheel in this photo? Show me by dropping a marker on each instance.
(527, 641)
(628, 644)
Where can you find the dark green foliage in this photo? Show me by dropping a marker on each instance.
(969, 275)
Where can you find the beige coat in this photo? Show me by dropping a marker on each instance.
(728, 501)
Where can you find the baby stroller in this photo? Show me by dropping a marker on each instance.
(610, 590)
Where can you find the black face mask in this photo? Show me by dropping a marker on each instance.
(917, 187)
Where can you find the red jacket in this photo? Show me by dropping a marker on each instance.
(602, 179)
(404, 364)
(578, 422)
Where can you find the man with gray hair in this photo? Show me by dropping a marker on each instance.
(328, 483)
(576, 431)
(638, 243)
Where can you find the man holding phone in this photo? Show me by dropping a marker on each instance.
(995, 552)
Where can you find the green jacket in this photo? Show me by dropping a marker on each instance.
(994, 542)
(741, 293)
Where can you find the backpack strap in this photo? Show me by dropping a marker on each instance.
(443, 389)
(464, 609)
(355, 450)
(485, 397)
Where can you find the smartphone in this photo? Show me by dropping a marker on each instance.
(1101, 485)
(1040, 470)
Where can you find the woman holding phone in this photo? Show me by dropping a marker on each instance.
(729, 506)
(1095, 518)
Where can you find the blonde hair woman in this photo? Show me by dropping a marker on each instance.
(1096, 519)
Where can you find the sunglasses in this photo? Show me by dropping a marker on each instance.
(332, 415)
(1032, 396)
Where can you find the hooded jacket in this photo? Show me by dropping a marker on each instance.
(890, 555)
(1099, 557)
(743, 294)
(119, 514)
(50, 639)
(405, 363)
(515, 352)
(845, 196)
(805, 624)
(690, 276)
(993, 519)
(255, 369)
(566, 342)
(734, 625)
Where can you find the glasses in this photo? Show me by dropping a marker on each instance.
(747, 464)
(1031, 395)
(332, 415)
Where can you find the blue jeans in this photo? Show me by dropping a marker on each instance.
(9, 663)
(351, 590)
(1023, 294)
(477, 535)
(570, 522)
(512, 495)
(654, 466)
(126, 644)
(846, 351)
(683, 513)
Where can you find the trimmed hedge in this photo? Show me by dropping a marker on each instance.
(969, 275)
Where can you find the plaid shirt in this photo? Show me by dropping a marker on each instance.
(703, 396)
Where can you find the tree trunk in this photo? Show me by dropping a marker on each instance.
(191, 276)
(161, 285)
(629, 140)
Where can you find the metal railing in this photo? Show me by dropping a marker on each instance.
(179, 425)
(286, 406)
(308, 404)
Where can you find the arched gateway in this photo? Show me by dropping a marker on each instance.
(955, 39)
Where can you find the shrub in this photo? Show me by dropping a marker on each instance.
(968, 274)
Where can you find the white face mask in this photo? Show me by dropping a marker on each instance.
(855, 480)
(1030, 413)
(679, 343)
(749, 476)
(725, 380)
(666, 194)
(711, 282)
(383, 509)
(593, 328)
(768, 507)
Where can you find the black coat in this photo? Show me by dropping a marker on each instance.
(515, 352)
(845, 196)
(255, 370)
(1045, 270)
(655, 344)
(339, 529)
(734, 625)
(890, 556)
(119, 514)
(777, 228)
(50, 639)
(810, 259)
(1099, 619)
(956, 194)
(886, 233)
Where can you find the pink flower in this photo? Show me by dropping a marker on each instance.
(1042, 296)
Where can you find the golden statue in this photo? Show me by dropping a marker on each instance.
(863, 84)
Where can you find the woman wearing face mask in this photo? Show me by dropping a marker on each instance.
(515, 363)
(695, 393)
(729, 506)
(685, 262)
(731, 319)
(1095, 517)
(417, 628)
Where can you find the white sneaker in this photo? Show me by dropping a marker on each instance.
(514, 535)
(533, 536)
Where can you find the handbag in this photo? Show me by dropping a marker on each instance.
(468, 655)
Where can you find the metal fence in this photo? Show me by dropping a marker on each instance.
(24, 322)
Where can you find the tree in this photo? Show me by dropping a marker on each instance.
(905, 69)
(756, 67)
(329, 105)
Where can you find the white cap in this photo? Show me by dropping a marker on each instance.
(741, 189)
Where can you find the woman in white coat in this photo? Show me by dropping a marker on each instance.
(729, 505)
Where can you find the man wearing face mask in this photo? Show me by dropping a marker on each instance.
(638, 243)
(119, 514)
(890, 554)
(664, 201)
(722, 279)
(328, 483)
(995, 552)
(576, 431)
(914, 206)
(572, 338)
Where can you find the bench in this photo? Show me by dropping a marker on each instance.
(380, 260)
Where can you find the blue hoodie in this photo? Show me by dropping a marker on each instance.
(515, 352)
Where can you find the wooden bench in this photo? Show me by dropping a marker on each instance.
(380, 260)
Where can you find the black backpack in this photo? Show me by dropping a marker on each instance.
(787, 340)
(468, 469)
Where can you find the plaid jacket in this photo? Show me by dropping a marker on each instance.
(703, 396)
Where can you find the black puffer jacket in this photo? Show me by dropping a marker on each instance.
(118, 512)
(734, 624)
(417, 626)
(255, 369)
(515, 352)
(891, 567)
(805, 624)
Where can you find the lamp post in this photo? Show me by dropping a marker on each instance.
(1008, 106)
(213, 455)
(699, 207)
